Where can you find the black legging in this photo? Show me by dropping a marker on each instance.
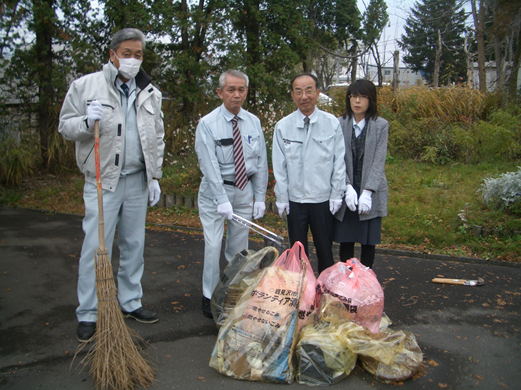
(367, 255)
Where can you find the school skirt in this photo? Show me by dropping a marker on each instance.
(351, 229)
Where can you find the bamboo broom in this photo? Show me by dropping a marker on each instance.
(117, 362)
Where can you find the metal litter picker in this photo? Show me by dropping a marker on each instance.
(277, 241)
(116, 362)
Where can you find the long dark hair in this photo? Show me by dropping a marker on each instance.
(365, 88)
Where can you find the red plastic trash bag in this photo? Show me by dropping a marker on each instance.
(257, 340)
(358, 288)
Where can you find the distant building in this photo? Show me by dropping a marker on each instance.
(407, 77)
(491, 73)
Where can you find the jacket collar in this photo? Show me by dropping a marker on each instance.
(229, 116)
(111, 72)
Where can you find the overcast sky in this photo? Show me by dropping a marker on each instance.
(398, 11)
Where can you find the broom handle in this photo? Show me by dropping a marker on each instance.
(101, 228)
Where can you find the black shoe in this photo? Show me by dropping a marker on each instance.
(207, 309)
(85, 331)
(141, 315)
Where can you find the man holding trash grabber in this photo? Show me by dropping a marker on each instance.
(128, 108)
(309, 168)
(231, 150)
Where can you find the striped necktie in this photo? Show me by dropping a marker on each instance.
(240, 167)
(306, 123)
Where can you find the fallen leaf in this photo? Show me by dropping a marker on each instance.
(201, 378)
(431, 362)
(443, 385)
(187, 295)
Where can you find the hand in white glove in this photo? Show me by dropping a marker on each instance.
(258, 209)
(154, 192)
(282, 207)
(225, 210)
(334, 205)
(94, 113)
(365, 202)
(351, 198)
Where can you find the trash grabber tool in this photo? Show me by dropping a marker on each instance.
(277, 240)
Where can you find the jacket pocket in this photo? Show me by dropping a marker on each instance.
(106, 125)
(323, 147)
(293, 150)
(224, 150)
(252, 146)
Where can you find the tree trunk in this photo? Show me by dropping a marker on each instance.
(437, 63)
(500, 66)
(479, 25)
(253, 49)
(396, 72)
(354, 64)
(379, 71)
(512, 81)
(44, 29)
(470, 70)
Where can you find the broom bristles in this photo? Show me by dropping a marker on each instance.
(116, 361)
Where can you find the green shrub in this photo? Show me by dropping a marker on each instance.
(17, 161)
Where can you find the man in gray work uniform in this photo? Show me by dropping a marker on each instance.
(230, 146)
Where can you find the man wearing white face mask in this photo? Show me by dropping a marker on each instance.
(128, 108)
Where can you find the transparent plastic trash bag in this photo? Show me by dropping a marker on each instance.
(321, 359)
(236, 278)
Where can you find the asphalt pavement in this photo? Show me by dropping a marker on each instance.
(470, 336)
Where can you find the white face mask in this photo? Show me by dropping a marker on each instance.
(128, 67)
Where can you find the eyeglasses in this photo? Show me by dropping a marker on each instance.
(354, 97)
(308, 91)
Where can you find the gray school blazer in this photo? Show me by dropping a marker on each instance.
(373, 171)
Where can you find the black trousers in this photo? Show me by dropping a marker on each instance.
(316, 216)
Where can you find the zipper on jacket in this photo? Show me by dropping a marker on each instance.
(86, 158)
(103, 105)
(288, 141)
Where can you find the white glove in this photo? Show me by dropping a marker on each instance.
(153, 193)
(334, 205)
(351, 196)
(258, 209)
(282, 207)
(225, 210)
(365, 202)
(94, 113)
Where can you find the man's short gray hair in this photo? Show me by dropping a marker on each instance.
(127, 34)
(232, 72)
